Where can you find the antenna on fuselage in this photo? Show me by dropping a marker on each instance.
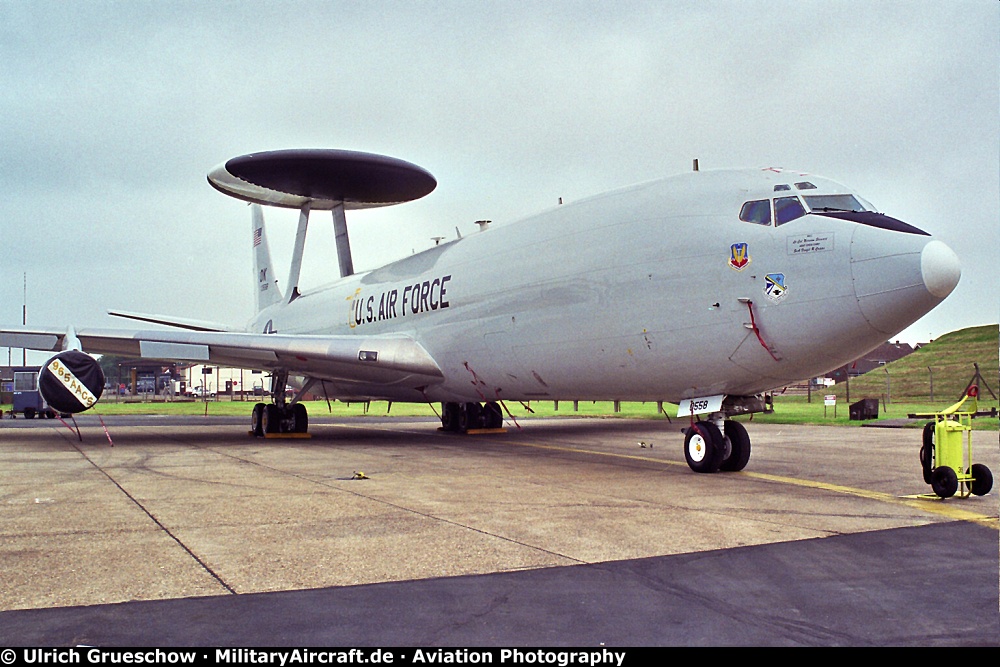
(694, 166)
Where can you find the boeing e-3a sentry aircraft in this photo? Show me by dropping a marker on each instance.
(705, 289)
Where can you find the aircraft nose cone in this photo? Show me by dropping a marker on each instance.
(899, 277)
(940, 269)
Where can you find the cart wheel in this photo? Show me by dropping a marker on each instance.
(927, 451)
(982, 479)
(944, 481)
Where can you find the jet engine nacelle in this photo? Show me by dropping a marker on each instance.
(71, 382)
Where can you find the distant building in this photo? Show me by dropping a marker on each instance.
(138, 376)
(216, 380)
(880, 356)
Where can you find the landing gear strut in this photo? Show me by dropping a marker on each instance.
(280, 416)
(463, 417)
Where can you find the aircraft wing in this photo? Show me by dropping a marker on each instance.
(387, 360)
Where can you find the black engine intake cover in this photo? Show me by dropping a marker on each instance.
(71, 382)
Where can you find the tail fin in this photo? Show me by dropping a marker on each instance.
(268, 293)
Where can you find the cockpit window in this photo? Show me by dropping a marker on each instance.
(805, 185)
(834, 203)
(758, 212)
(787, 209)
(779, 188)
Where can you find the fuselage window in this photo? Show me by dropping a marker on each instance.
(787, 209)
(758, 212)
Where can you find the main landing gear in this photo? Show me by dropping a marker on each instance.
(463, 417)
(279, 417)
(717, 445)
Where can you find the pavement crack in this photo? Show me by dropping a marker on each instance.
(159, 524)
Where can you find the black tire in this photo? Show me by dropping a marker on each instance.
(704, 447)
(739, 450)
(470, 416)
(449, 417)
(492, 415)
(927, 451)
(29, 413)
(257, 420)
(271, 423)
(944, 481)
(301, 418)
(49, 414)
(982, 479)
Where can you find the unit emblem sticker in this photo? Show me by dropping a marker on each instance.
(739, 256)
(774, 286)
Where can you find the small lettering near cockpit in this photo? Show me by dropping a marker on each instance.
(810, 243)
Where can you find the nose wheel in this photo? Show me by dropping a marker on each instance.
(709, 448)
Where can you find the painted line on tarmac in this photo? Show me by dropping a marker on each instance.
(931, 506)
(938, 507)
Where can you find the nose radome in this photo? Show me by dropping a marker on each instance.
(940, 269)
(899, 277)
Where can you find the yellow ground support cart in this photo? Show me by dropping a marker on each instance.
(946, 453)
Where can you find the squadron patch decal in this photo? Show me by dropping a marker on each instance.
(775, 287)
(739, 256)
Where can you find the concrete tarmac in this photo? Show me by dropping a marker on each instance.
(565, 532)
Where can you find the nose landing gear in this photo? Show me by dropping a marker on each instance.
(709, 448)
(716, 443)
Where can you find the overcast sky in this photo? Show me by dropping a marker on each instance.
(114, 112)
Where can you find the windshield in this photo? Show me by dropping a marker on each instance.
(787, 209)
(834, 203)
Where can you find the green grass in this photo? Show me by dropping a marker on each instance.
(795, 410)
(951, 359)
(787, 410)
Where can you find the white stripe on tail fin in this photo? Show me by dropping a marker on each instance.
(268, 293)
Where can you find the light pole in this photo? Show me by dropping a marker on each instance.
(24, 317)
